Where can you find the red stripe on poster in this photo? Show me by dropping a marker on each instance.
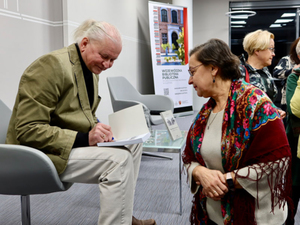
(186, 36)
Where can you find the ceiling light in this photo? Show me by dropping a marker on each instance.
(275, 25)
(238, 22)
(283, 20)
(288, 14)
(240, 14)
(237, 26)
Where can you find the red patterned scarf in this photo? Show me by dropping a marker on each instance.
(252, 133)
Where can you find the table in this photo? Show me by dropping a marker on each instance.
(160, 141)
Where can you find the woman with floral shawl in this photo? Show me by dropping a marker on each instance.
(237, 154)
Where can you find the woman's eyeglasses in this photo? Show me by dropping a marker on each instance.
(272, 49)
(192, 70)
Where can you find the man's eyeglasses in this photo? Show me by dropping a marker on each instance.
(272, 50)
(192, 70)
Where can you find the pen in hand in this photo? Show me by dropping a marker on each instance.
(100, 122)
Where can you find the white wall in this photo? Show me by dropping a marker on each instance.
(32, 28)
(209, 22)
(28, 29)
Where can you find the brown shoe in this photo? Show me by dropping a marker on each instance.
(135, 221)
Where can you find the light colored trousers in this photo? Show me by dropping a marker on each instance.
(115, 169)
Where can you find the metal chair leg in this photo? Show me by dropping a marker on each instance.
(25, 209)
(156, 155)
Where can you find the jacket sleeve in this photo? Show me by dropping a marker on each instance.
(283, 68)
(290, 90)
(41, 88)
(295, 101)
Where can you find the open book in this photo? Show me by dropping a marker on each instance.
(128, 127)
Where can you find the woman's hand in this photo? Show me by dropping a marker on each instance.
(212, 181)
(282, 113)
(100, 133)
(296, 67)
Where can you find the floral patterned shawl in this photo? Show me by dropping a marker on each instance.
(252, 133)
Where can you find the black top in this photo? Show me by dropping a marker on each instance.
(82, 139)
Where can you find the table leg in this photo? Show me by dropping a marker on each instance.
(157, 156)
(180, 184)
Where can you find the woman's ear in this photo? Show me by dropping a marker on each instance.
(214, 70)
(256, 52)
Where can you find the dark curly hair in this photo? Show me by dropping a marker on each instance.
(293, 53)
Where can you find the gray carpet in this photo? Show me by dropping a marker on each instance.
(156, 196)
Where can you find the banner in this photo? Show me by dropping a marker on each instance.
(169, 53)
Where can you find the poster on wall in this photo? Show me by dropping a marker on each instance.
(169, 53)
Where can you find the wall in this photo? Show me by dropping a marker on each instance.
(209, 22)
(28, 29)
(34, 27)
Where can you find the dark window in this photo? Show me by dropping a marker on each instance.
(174, 16)
(174, 39)
(266, 19)
(164, 38)
(164, 15)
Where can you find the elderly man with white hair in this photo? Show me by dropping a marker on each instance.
(55, 113)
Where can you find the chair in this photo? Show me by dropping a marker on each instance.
(124, 95)
(25, 171)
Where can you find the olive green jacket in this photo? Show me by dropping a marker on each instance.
(52, 105)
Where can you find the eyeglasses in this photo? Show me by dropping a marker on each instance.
(192, 70)
(272, 49)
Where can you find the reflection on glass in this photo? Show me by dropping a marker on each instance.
(281, 22)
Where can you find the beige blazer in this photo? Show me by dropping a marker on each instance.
(52, 105)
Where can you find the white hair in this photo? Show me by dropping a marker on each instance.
(97, 30)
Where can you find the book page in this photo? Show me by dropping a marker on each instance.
(128, 122)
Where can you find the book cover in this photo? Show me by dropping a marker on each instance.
(128, 127)
(171, 124)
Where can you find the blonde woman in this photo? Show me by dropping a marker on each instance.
(260, 47)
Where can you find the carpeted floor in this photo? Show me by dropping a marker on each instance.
(156, 196)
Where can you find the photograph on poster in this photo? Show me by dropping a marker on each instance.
(169, 51)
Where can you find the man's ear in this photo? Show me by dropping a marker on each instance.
(83, 44)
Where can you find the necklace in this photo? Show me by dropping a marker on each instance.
(215, 116)
(212, 120)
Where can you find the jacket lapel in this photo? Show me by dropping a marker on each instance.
(80, 83)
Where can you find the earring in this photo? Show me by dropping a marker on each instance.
(214, 80)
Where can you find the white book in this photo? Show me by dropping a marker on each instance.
(171, 124)
(133, 140)
(128, 127)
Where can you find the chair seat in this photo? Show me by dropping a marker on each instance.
(26, 171)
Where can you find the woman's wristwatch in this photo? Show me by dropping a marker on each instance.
(230, 181)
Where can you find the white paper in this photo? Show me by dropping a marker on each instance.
(128, 127)
(128, 141)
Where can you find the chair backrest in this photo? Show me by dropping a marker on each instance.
(4, 121)
(121, 88)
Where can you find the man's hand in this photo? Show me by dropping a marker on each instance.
(100, 133)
